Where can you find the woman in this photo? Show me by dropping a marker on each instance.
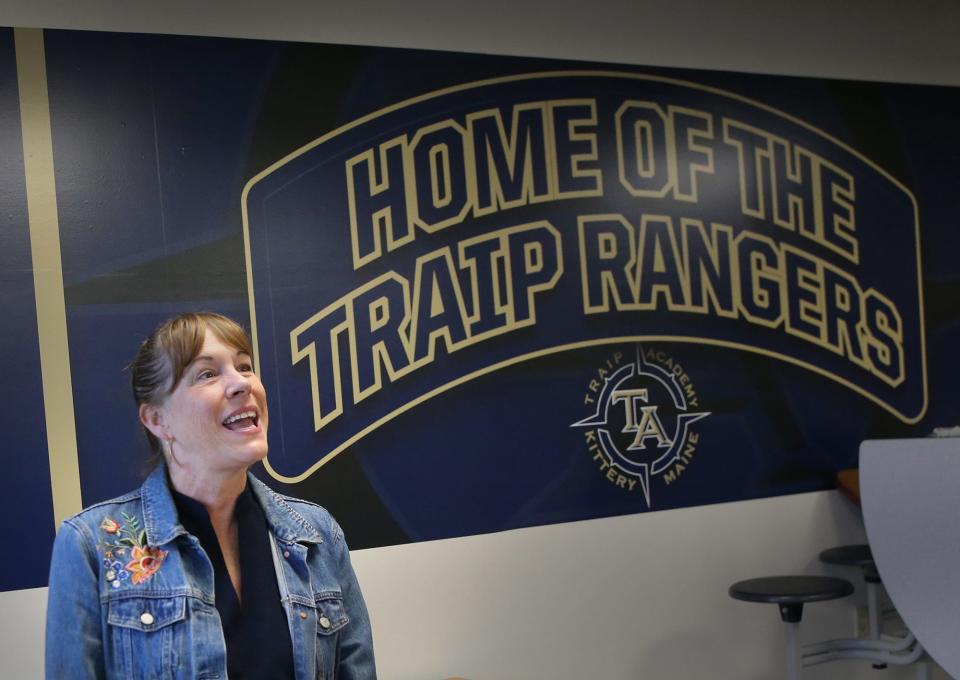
(204, 572)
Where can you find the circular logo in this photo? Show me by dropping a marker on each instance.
(642, 412)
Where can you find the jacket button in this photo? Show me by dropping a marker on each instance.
(146, 618)
(286, 553)
(303, 615)
(324, 622)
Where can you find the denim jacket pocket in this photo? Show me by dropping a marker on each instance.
(331, 618)
(144, 640)
(147, 613)
(331, 614)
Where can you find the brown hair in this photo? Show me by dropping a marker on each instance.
(162, 358)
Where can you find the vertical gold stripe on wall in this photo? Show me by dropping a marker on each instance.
(47, 273)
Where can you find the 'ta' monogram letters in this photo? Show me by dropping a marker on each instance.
(649, 425)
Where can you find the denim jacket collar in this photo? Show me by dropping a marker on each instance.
(162, 525)
(287, 524)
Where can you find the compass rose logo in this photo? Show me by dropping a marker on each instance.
(640, 427)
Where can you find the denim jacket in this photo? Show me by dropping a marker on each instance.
(132, 593)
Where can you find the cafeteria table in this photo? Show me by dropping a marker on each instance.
(911, 510)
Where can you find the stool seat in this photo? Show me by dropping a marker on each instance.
(853, 556)
(791, 589)
(848, 555)
(791, 592)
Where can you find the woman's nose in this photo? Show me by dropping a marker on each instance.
(237, 384)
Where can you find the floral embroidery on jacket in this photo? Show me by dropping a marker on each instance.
(126, 555)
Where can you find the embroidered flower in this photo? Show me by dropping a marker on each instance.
(126, 538)
(109, 526)
(145, 562)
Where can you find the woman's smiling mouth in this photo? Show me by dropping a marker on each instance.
(246, 419)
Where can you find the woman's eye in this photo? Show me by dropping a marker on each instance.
(245, 368)
(206, 374)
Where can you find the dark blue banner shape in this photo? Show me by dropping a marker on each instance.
(461, 232)
(25, 495)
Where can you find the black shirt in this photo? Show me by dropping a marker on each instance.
(257, 634)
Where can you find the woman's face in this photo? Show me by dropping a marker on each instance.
(216, 418)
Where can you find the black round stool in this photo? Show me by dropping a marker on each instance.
(853, 556)
(790, 593)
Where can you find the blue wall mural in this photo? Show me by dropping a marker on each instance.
(25, 497)
(492, 292)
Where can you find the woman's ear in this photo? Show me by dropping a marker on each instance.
(151, 416)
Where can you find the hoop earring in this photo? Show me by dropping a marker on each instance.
(168, 449)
